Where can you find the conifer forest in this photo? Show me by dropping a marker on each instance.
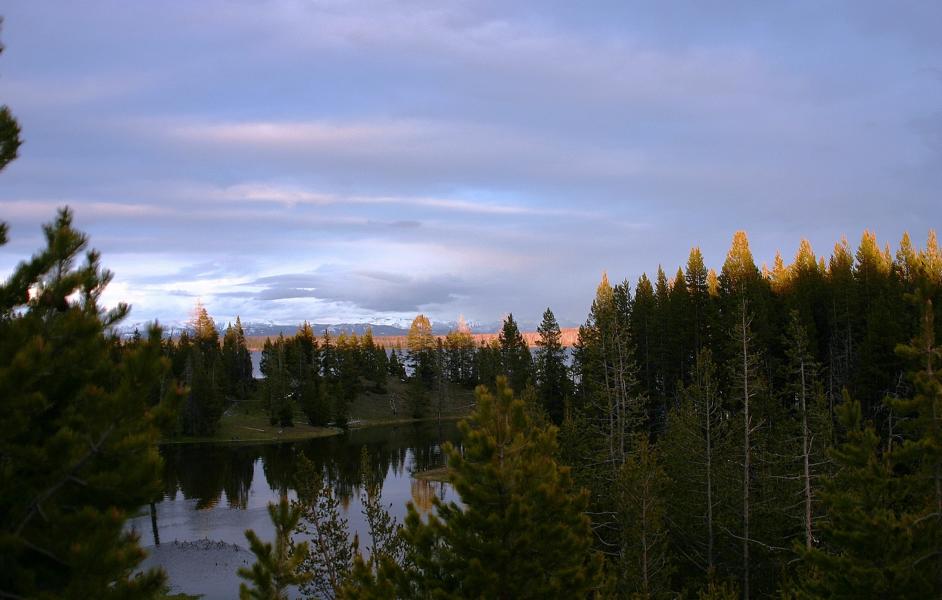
(695, 431)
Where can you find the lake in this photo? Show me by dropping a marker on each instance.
(213, 493)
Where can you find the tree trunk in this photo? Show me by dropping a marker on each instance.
(709, 477)
(153, 523)
(746, 456)
(806, 451)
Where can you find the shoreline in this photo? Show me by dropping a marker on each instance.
(300, 436)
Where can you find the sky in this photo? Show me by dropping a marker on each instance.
(292, 160)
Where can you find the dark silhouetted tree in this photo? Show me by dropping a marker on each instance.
(80, 427)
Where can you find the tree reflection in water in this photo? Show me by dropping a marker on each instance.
(207, 472)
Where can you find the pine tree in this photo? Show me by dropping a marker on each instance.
(367, 355)
(605, 359)
(396, 368)
(696, 450)
(305, 368)
(243, 361)
(520, 531)
(681, 349)
(813, 419)
(371, 573)
(421, 345)
(9, 142)
(332, 395)
(866, 548)
(921, 452)
(744, 377)
(699, 292)
(613, 407)
(807, 293)
(204, 374)
(328, 562)
(385, 532)
(879, 369)
(743, 303)
(642, 487)
(276, 567)
(907, 260)
(842, 350)
(441, 378)
(382, 369)
(930, 260)
(487, 362)
(80, 427)
(644, 333)
(276, 389)
(459, 346)
(662, 337)
(552, 376)
(516, 361)
(236, 362)
(418, 398)
(349, 369)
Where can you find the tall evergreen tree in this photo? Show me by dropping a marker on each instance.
(516, 361)
(642, 487)
(520, 530)
(236, 362)
(487, 362)
(276, 389)
(696, 279)
(396, 368)
(9, 142)
(681, 349)
(333, 395)
(349, 369)
(459, 346)
(814, 425)
(662, 370)
(697, 451)
(305, 367)
(78, 444)
(552, 377)
(421, 345)
(276, 566)
(878, 369)
(921, 451)
(744, 376)
(867, 547)
(842, 350)
(613, 410)
(327, 564)
(644, 332)
(204, 375)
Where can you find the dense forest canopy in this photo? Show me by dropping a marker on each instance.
(720, 421)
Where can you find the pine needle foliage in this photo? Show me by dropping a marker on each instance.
(520, 530)
(81, 417)
(276, 567)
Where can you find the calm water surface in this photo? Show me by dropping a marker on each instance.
(216, 492)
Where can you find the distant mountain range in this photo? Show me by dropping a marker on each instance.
(262, 329)
(379, 330)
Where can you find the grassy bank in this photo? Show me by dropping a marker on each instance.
(440, 474)
(248, 425)
(247, 422)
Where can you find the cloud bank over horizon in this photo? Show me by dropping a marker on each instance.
(291, 160)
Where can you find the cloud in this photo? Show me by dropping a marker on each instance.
(377, 291)
(291, 196)
(474, 157)
(397, 153)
